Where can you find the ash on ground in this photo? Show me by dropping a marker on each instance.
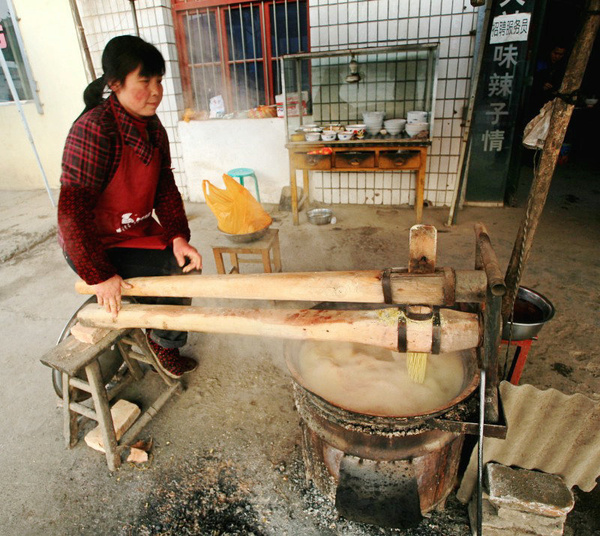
(210, 497)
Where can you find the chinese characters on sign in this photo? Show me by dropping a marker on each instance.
(499, 90)
(505, 28)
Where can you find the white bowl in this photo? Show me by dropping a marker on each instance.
(345, 136)
(312, 136)
(373, 131)
(412, 129)
(394, 126)
(417, 116)
(373, 116)
(328, 135)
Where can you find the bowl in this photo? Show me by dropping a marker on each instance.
(373, 116)
(373, 131)
(312, 136)
(319, 216)
(416, 116)
(394, 126)
(328, 135)
(412, 129)
(531, 312)
(358, 130)
(345, 136)
(246, 237)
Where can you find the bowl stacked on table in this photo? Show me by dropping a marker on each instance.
(412, 129)
(417, 121)
(394, 126)
(417, 116)
(373, 122)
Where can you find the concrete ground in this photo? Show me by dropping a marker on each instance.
(226, 457)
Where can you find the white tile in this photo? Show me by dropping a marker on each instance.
(404, 197)
(449, 109)
(455, 146)
(432, 181)
(453, 164)
(402, 29)
(386, 198)
(352, 196)
(445, 25)
(362, 180)
(403, 9)
(395, 197)
(433, 163)
(392, 31)
(436, 6)
(445, 148)
(436, 146)
(424, 25)
(413, 31)
(456, 26)
(363, 33)
(439, 108)
(446, 127)
(363, 12)
(382, 31)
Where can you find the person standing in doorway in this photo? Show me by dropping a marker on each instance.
(116, 174)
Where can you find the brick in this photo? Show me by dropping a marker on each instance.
(123, 414)
(517, 525)
(528, 491)
(88, 334)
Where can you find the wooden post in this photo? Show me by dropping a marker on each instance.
(559, 122)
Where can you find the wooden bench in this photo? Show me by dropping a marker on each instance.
(72, 356)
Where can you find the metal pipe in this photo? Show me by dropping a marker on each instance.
(192, 59)
(17, 101)
(83, 41)
(243, 54)
(135, 20)
(254, 56)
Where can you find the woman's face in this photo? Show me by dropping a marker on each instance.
(139, 95)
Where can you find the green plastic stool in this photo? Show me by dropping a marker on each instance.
(243, 173)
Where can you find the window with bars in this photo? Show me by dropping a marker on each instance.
(231, 49)
(12, 50)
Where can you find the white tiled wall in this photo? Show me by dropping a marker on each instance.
(335, 24)
(340, 24)
(105, 19)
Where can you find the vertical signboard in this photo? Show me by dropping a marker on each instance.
(498, 95)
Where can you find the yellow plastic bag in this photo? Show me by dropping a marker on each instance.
(237, 212)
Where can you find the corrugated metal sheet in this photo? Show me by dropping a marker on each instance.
(548, 431)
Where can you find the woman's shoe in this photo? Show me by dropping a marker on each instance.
(170, 361)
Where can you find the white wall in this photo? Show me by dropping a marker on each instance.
(52, 48)
(211, 148)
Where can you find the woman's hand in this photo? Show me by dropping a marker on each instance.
(182, 250)
(108, 294)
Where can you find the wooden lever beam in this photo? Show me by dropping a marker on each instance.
(350, 286)
(379, 327)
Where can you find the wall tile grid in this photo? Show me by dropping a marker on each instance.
(104, 19)
(340, 24)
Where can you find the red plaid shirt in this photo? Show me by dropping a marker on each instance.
(90, 160)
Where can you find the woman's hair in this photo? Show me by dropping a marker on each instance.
(123, 55)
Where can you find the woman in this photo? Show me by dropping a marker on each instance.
(116, 171)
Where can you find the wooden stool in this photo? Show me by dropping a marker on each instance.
(263, 247)
(71, 356)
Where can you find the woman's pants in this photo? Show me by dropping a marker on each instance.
(135, 262)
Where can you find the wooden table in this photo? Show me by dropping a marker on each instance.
(379, 154)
